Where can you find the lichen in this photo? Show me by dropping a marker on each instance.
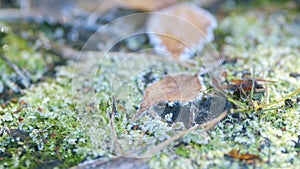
(33, 63)
(56, 125)
(263, 45)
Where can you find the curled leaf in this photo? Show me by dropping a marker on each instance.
(181, 87)
(180, 98)
(182, 29)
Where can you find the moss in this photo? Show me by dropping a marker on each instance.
(266, 46)
(33, 62)
(60, 122)
(51, 127)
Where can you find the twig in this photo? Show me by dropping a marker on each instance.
(115, 144)
(205, 126)
(266, 100)
(63, 51)
(296, 92)
(252, 87)
(16, 68)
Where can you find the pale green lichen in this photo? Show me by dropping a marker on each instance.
(33, 62)
(264, 45)
(64, 127)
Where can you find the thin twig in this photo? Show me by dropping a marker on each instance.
(266, 100)
(16, 68)
(115, 144)
(252, 87)
(64, 51)
(205, 126)
(296, 92)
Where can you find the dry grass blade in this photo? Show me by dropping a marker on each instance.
(63, 51)
(295, 93)
(123, 162)
(115, 145)
(205, 126)
(21, 72)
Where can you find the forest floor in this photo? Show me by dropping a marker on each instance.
(62, 115)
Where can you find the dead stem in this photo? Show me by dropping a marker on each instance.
(205, 126)
(115, 144)
(266, 99)
(296, 92)
(21, 72)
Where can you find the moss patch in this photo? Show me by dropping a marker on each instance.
(65, 120)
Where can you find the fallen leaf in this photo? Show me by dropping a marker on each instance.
(22, 102)
(14, 100)
(40, 109)
(181, 87)
(182, 29)
(234, 153)
(244, 85)
(21, 119)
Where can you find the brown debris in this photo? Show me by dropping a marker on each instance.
(249, 158)
(181, 87)
(182, 29)
(245, 85)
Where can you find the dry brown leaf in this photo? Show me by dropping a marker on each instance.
(234, 153)
(181, 87)
(182, 29)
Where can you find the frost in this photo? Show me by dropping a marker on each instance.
(55, 122)
(72, 141)
(198, 137)
(7, 117)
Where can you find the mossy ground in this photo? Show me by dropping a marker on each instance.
(56, 124)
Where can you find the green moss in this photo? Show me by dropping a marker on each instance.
(63, 122)
(33, 62)
(266, 44)
(51, 127)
